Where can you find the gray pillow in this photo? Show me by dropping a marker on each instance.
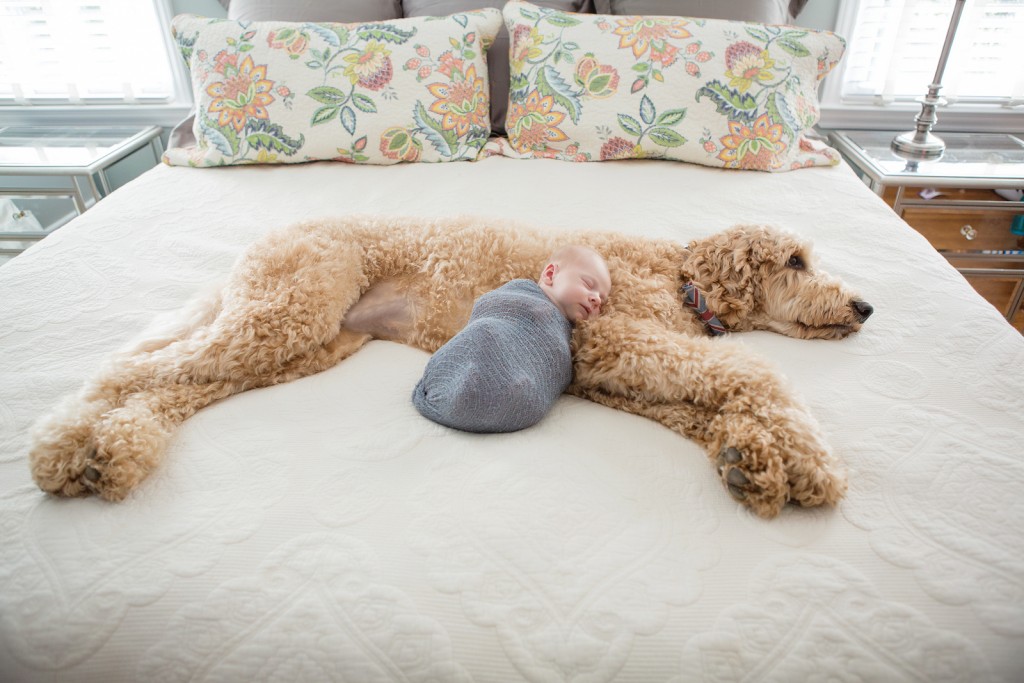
(497, 57)
(764, 11)
(346, 11)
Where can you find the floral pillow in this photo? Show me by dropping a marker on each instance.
(377, 93)
(720, 93)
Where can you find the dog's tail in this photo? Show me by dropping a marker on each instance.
(174, 326)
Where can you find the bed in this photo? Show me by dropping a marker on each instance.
(323, 530)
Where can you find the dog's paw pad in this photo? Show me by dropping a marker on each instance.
(728, 458)
(736, 477)
(730, 469)
(92, 473)
(737, 492)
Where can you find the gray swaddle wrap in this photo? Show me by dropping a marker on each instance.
(504, 370)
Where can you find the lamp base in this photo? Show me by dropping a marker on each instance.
(918, 145)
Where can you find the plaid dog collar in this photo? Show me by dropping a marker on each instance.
(695, 300)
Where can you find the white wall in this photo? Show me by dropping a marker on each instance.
(203, 8)
(819, 14)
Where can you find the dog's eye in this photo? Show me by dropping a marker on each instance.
(795, 262)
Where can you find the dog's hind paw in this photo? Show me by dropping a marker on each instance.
(129, 443)
(91, 474)
(62, 442)
(100, 479)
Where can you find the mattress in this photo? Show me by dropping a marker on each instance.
(323, 530)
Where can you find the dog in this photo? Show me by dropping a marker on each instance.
(303, 298)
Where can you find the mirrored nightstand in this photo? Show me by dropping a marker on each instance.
(966, 221)
(49, 175)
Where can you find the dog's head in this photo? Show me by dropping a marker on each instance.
(759, 278)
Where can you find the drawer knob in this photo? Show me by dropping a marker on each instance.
(968, 232)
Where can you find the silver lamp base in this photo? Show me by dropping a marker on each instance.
(918, 145)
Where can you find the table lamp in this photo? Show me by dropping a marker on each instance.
(920, 144)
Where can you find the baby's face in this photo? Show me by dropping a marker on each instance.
(580, 287)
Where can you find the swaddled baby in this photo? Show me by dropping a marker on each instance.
(505, 370)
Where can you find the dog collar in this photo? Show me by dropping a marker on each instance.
(694, 298)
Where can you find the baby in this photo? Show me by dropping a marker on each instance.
(505, 370)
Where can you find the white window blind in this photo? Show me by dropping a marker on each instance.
(894, 48)
(83, 52)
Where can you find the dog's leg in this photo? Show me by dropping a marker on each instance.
(65, 438)
(130, 441)
(763, 440)
(821, 485)
(685, 417)
(279, 318)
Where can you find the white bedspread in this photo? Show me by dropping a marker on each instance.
(323, 530)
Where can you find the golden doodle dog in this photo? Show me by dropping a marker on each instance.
(285, 313)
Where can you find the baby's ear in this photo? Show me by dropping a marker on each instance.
(547, 276)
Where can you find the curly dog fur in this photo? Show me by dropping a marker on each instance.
(282, 315)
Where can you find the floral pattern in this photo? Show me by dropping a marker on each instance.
(533, 125)
(276, 92)
(720, 93)
(746, 63)
(643, 33)
(758, 147)
(461, 102)
(243, 94)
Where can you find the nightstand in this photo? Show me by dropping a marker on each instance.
(967, 222)
(49, 175)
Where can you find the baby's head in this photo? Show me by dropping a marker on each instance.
(576, 280)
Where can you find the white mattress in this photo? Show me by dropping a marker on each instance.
(323, 530)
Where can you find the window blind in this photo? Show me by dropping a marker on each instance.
(83, 52)
(894, 48)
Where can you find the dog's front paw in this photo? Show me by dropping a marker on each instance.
(730, 469)
(817, 480)
(815, 476)
(762, 489)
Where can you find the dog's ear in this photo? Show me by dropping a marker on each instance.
(723, 265)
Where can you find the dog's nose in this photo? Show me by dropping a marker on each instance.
(863, 308)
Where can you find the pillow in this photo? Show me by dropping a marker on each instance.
(713, 92)
(315, 10)
(380, 93)
(292, 10)
(765, 11)
(497, 57)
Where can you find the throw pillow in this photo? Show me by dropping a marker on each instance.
(379, 92)
(720, 93)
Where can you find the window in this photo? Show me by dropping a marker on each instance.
(894, 48)
(84, 52)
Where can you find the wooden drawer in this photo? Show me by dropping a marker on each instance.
(998, 291)
(962, 229)
(988, 231)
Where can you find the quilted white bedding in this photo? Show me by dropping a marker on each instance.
(323, 530)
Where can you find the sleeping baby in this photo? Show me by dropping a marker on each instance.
(505, 370)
